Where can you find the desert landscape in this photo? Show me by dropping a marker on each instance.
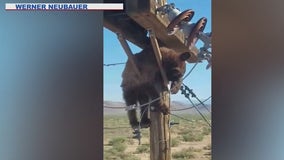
(190, 139)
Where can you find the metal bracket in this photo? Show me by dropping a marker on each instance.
(204, 53)
(171, 123)
(137, 134)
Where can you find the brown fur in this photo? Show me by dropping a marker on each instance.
(145, 88)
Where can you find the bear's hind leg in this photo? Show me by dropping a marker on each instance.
(130, 98)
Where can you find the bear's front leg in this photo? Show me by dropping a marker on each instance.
(158, 103)
(133, 118)
(160, 90)
(160, 106)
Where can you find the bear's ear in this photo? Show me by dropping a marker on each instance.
(184, 56)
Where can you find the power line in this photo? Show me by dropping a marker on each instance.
(114, 107)
(117, 127)
(183, 92)
(200, 102)
(181, 117)
(186, 92)
(134, 106)
(114, 64)
(190, 71)
(192, 106)
(199, 112)
(105, 106)
(190, 91)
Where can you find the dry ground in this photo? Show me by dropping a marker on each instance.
(191, 140)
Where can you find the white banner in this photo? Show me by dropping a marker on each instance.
(63, 6)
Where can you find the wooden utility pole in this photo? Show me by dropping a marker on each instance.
(160, 136)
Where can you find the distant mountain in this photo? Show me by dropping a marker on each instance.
(114, 108)
(182, 107)
(117, 108)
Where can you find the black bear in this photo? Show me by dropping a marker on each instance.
(144, 88)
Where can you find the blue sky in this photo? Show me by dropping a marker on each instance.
(199, 80)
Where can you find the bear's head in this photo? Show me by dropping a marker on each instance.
(174, 65)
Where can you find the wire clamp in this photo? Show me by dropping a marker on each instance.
(137, 135)
(131, 107)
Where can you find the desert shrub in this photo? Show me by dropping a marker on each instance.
(192, 137)
(118, 144)
(113, 154)
(185, 131)
(130, 141)
(208, 147)
(175, 142)
(119, 147)
(184, 154)
(206, 130)
(143, 149)
(117, 140)
(117, 151)
(197, 150)
(127, 156)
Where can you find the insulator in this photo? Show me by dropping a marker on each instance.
(181, 21)
(192, 31)
(193, 36)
